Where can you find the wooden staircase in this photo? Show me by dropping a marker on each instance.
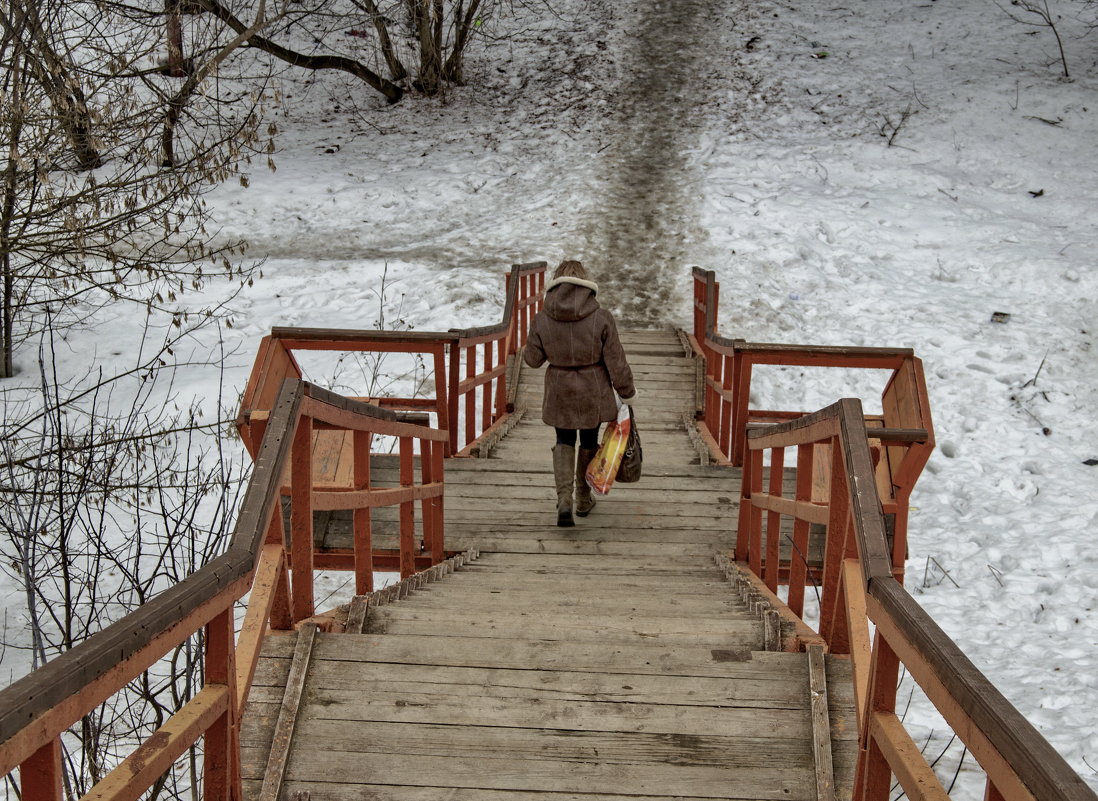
(613, 660)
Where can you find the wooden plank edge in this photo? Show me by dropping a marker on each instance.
(358, 609)
(279, 755)
(753, 589)
(821, 725)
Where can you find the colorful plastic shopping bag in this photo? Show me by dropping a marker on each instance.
(603, 469)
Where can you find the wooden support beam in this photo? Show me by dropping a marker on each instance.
(287, 715)
(857, 624)
(905, 759)
(821, 725)
(40, 775)
(250, 641)
(155, 756)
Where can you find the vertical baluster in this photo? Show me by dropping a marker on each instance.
(873, 776)
(40, 774)
(281, 610)
(524, 294)
(835, 546)
(470, 395)
(741, 371)
(486, 391)
(774, 519)
(221, 780)
(501, 385)
(798, 567)
(453, 398)
(407, 511)
(362, 524)
(301, 518)
(438, 543)
(743, 526)
(426, 505)
(754, 515)
(724, 440)
(712, 405)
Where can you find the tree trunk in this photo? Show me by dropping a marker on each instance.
(57, 79)
(174, 32)
(396, 69)
(7, 213)
(430, 48)
(391, 91)
(463, 23)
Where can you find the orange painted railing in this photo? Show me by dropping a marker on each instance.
(261, 560)
(859, 588)
(901, 438)
(469, 365)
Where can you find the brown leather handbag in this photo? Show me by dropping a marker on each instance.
(630, 469)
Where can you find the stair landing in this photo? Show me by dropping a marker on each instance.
(612, 660)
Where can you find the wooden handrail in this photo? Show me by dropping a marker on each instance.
(36, 709)
(904, 433)
(463, 361)
(859, 588)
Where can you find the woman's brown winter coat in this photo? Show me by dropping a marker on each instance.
(586, 361)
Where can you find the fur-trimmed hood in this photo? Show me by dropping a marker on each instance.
(569, 299)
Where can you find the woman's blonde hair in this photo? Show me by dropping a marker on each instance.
(571, 269)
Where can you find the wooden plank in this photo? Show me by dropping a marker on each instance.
(821, 725)
(478, 601)
(287, 717)
(391, 792)
(499, 563)
(782, 687)
(563, 627)
(152, 758)
(345, 706)
(520, 654)
(532, 775)
(905, 759)
(476, 742)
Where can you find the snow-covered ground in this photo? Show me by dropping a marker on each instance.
(877, 173)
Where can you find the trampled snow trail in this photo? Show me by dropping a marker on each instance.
(643, 232)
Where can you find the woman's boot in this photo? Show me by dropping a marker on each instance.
(585, 501)
(564, 467)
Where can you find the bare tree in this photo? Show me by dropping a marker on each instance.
(1037, 13)
(108, 496)
(95, 208)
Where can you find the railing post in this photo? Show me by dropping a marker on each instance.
(361, 522)
(774, 519)
(407, 511)
(743, 527)
(40, 774)
(726, 433)
(835, 544)
(221, 781)
(798, 557)
(454, 376)
(741, 379)
(301, 519)
(873, 777)
(427, 505)
(470, 396)
(486, 390)
(281, 615)
(754, 515)
(501, 384)
(445, 405)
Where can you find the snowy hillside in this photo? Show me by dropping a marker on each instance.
(877, 173)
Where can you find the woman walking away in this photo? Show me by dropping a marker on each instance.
(586, 365)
